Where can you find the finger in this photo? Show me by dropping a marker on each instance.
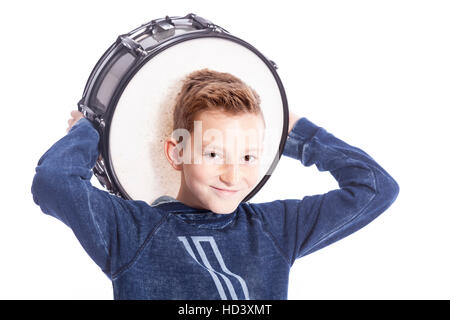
(77, 114)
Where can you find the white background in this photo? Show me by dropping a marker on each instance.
(376, 74)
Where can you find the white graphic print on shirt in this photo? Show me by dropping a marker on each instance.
(206, 264)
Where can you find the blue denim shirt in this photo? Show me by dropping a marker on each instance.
(169, 250)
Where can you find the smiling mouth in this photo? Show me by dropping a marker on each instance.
(225, 191)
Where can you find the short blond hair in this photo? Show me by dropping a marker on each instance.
(206, 90)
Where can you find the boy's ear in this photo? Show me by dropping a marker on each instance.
(173, 153)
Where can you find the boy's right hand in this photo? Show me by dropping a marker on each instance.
(76, 115)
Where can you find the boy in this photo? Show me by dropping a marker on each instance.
(206, 243)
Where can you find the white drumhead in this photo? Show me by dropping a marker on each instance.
(142, 119)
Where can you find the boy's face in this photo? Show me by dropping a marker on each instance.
(225, 152)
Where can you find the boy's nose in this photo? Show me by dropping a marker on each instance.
(231, 175)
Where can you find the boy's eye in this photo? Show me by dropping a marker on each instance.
(217, 156)
(250, 158)
(212, 154)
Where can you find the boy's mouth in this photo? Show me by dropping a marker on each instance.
(224, 191)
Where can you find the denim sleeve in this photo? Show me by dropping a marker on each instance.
(108, 227)
(302, 226)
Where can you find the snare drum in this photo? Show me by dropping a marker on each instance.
(130, 94)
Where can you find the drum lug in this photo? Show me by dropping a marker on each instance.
(273, 64)
(163, 29)
(199, 22)
(100, 121)
(102, 177)
(134, 47)
(91, 115)
(87, 112)
(202, 23)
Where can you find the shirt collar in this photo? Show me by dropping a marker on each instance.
(164, 199)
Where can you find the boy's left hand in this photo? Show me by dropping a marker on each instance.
(293, 118)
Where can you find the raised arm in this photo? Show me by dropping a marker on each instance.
(302, 226)
(109, 228)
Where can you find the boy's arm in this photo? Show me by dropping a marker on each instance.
(107, 226)
(300, 227)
